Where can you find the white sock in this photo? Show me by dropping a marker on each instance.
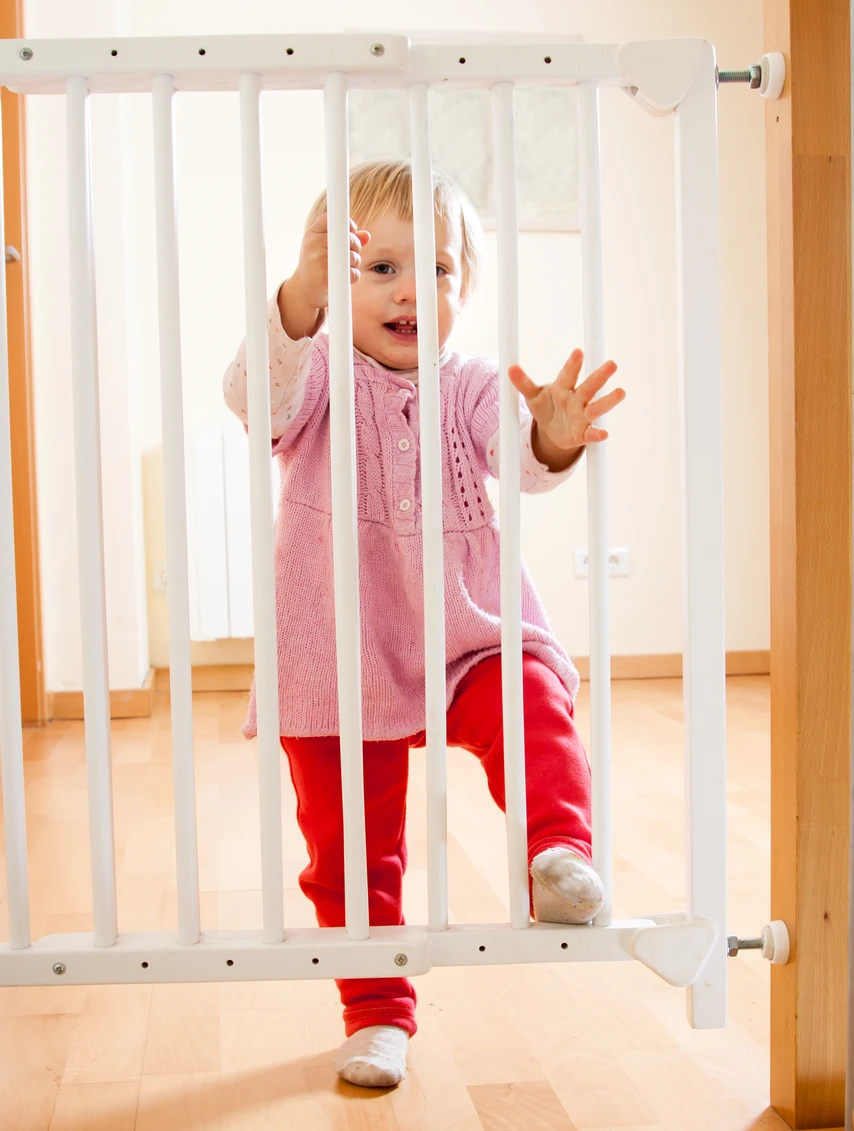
(374, 1057)
(565, 889)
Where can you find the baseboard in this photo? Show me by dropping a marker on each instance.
(132, 704)
(238, 677)
(211, 677)
(668, 665)
(136, 703)
(748, 663)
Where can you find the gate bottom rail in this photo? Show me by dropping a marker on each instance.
(674, 945)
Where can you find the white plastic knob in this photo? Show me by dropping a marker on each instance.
(773, 74)
(775, 942)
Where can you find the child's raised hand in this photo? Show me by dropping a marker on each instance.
(312, 276)
(564, 413)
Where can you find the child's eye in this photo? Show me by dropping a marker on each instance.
(382, 268)
(440, 270)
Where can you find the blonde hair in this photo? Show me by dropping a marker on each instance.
(386, 186)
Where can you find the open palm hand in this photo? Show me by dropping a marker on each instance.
(564, 410)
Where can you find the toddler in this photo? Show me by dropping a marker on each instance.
(379, 1014)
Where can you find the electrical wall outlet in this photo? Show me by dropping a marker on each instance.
(159, 580)
(618, 562)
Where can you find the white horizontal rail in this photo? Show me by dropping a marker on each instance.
(211, 62)
(310, 952)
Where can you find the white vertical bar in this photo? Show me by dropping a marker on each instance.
(90, 528)
(510, 510)
(699, 325)
(430, 403)
(597, 497)
(11, 745)
(345, 538)
(177, 591)
(260, 445)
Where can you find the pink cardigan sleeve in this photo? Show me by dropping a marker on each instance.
(290, 370)
(481, 396)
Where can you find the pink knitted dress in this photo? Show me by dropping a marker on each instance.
(390, 552)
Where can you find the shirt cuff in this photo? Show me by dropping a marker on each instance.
(536, 477)
(289, 366)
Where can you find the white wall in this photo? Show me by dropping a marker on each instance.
(640, 303)
(118, 378)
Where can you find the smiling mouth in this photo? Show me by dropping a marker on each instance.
(403, 329)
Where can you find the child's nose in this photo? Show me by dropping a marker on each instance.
(405, 290)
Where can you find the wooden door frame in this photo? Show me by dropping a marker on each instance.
(809, 293)
(809, 288)
(24, 500)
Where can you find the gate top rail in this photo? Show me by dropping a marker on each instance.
(215, 62)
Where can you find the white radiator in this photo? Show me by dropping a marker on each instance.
(219, 541)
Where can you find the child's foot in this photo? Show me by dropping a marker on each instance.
(374, 1057)
(565, 889)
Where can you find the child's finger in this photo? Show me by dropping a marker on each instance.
(598, 408)
(523, 382)
(568, 375)
(588, 388)
(358, 233)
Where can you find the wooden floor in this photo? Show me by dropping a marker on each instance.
(512, 1048)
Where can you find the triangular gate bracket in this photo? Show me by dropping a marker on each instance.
(660, 72)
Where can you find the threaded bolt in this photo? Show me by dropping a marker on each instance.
(752, 76)
(734, 944)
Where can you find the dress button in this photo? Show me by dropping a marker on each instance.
(403, 445)
(405, 504)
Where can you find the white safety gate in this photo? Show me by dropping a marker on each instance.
(675, 77)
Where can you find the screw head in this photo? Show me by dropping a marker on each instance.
(26, 53)
(400, 959)
(377, 49)
(732, 946)
(59, 968)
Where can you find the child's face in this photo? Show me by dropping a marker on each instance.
(384, 294)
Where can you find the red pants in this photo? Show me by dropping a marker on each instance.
(558, 793)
